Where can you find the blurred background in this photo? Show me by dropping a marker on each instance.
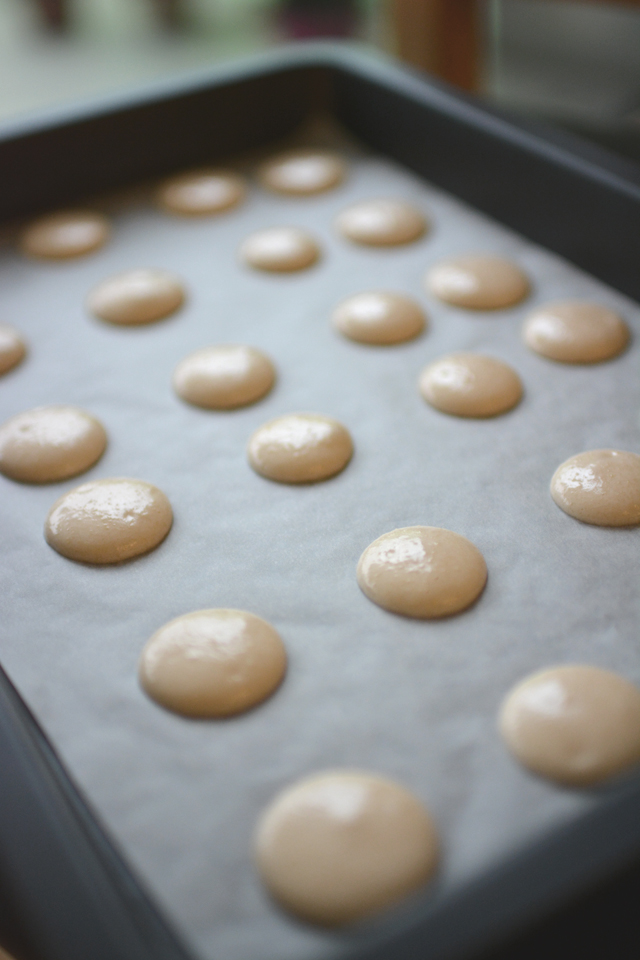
(574, 63)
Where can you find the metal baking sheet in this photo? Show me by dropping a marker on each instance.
(414, 700)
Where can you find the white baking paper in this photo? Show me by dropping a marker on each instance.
(414, 700)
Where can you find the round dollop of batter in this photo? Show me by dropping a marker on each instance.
(578, 725)
(301, 173)
(382, 223)
(280, 250)
(422, 572)
(576, 332)
(64, 235)
(600, 487)
(48, 444)
(300, 448)
(343, 845)
(108, 521)
(136, 297)
(12, 348)
(379, 318)
(213, 663)
(477, 282)
(224, 377)
(202, 193)
(470, 385)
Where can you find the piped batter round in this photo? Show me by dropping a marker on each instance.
(223, 377)
(382, 223)
(136, 297)
(422, 572)
(343, 845)
(12, 348)
(108, 521)
(578, 725)
(576, 332)
(202, 193)
(213, 663)
(470, 385)
(379, 318)
(64, 235)
(600, 487)
(280, 250)
(477, 282)
(300, 173)
(300, 448)
(48, 444)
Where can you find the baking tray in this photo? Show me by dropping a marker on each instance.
(66, 891)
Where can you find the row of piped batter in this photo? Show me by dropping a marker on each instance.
(367, 840)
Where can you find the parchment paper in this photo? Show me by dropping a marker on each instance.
(414, 700)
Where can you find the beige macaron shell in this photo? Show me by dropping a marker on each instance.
(48, 444)
(422, 572)
(213, 663)
(578, 725)
(224, 377)
(574, 331)
(300, 448)
(202, 193)
(108, 521)
(302, 172)
(601, 487)
(64, 235)
(136, 297)
(477, 282)
(280, 250)
(12, 348)
(343, 845)
(379, 318)
(382, 223)
(470, 385)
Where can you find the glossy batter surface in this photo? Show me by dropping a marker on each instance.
(108, 521)
(477, 282)
(300, 448)
(600, 487)
(578, 725)
(575, 331)
(342, 845)
(137, 296)
(213, 663)
(12, 348)
(382, 223)
(48, 444)
(64, 235)
(280, 250)
(422, 572)
(379, 317)
(202, 193)
(470, 385)
(224, 377)
(302, 172)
